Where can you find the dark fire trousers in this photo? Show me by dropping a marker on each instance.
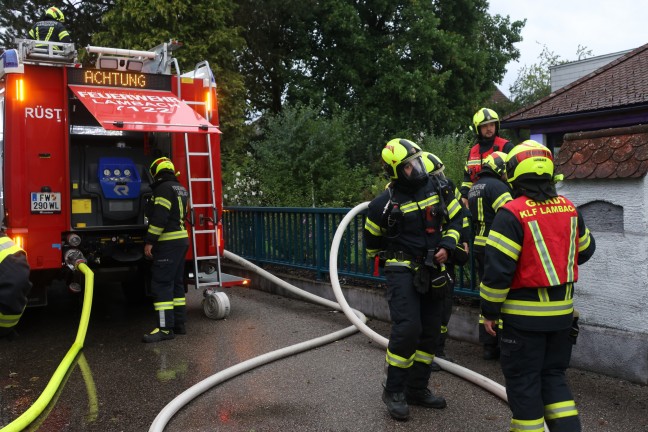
(167, 282)
(534, 365)
(416, 324)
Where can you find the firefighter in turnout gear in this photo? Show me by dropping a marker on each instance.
(458, 257)
(485, 124)
(409, 228)
(487, 195)
(533, 250)
(166, 243)
(50, 28)
(14, 287)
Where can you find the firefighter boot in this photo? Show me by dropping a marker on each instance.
(417, 392)
(425, 398)
(393, 395)
(180, 329)
(396, 405)
(157, 335)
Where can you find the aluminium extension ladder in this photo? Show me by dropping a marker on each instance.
(203, 282)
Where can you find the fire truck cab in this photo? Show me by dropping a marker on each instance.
(76, 147)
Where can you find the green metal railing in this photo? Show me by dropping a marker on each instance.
(301, 238)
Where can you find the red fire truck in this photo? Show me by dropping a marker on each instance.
(76, 147)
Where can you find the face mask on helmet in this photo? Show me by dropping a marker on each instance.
(412, 171)
(396, 152)
(529, 160)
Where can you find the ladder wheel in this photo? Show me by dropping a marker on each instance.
(216, 305)
(209, 268)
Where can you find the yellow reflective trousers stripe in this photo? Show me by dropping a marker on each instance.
(560, 410)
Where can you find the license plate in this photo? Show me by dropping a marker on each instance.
(46, 202)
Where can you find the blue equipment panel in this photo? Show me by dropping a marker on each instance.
(119, 178)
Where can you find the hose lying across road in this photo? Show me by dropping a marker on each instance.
(356, 317)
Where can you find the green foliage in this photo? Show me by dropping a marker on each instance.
(452, 149)
(303, 160)
(205, 28)
(534, 81)
(396, 67)
(82, 18)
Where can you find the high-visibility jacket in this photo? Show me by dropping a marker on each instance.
(50, 31)
(487, 195)
(474, 161)
(14, 283)
(411, 223)
(167, 215)
(531, 262)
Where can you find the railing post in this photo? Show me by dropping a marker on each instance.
(259, 235)
(320, 245)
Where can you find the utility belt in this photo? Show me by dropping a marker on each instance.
(429, 277)
(402, 256)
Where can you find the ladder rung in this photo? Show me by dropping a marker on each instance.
(203, 284)
(202, 205)
(206, 257)
(204, 231)
(199, 154)
(207, 179)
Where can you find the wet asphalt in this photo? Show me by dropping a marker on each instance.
(120, 384)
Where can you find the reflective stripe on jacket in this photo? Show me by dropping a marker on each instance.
(474, 162)
(549, 251)
(166, 218)
(14, 282)
(531, 261)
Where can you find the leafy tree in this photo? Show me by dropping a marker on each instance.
(207, 32)
(452, 150)
(398, 68)
(276, 39)
(534, 81)
(82, 18)
(303, 160)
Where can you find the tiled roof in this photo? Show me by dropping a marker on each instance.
(622, 82)
(607, 153)
(498, 96)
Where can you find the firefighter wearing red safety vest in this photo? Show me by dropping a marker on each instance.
(14, 285)
(533, 251)
(166, 244)
(486, 127)
(487, 195)
(414, 233)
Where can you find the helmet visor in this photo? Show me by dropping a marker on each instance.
(413, 169)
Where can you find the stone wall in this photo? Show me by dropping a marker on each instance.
(612, 291)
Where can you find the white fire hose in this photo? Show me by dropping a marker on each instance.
(357, 318)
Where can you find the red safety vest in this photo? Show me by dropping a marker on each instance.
(549, 254)
(474, 162)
